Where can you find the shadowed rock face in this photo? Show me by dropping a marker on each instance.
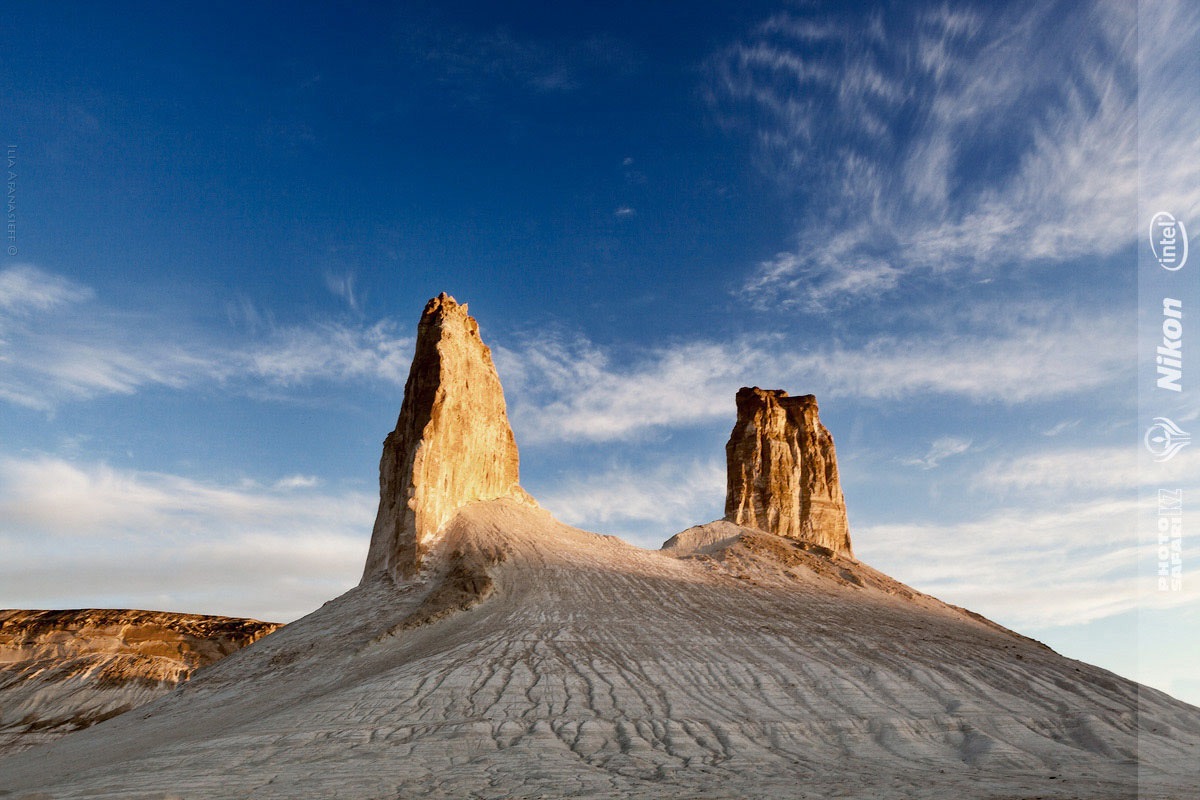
(782, 471)
(452, 444)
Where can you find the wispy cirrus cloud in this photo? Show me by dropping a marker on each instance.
(342, 285)
(78, 534)
(58, 344)
(645, 504)
(1168, 103)
(1057, 535)
(1037, 567)
(24, 289)
(561, 388)
(942, 448)
(334, 351)
(298, 482)
(1085, 470)
(568, 389)
(949, 140)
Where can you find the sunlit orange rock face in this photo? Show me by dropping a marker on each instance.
(782, 471)
(452, 444)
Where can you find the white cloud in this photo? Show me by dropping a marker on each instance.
(645, 505)
(298, 482)
(569, 389)
(342, 285)
(1067, 565)
(1093, 469)
(66, 354)
(1060, 428)
(877, 133)
(326, 351)
(1060, 536)
(942, 448)
(1168, 104)
(82, 535)
(561, 388)
(25, 288)
(58, 345)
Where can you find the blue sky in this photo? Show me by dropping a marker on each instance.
(227, 221)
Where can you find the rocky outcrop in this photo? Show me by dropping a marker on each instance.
(65, 670)
(734, 662)
(782, 471)
(452, 444)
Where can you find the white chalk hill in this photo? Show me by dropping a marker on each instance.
(493, 652)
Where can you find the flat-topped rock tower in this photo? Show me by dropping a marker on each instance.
(452, 444)
(782, 471)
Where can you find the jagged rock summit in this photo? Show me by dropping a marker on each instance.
(782, 471)
(452, 444)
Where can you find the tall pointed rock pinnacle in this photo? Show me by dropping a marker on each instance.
(452, 444)
(782, 471)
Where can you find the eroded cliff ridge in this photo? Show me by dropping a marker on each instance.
(782, 474)
(452, 444)
(61, 671)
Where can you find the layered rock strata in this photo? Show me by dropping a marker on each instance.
(61, 671)
(782, 474)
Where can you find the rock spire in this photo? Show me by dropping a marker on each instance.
(782, 471)
(452, 444)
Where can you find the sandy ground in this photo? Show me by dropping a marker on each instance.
(723, 667)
